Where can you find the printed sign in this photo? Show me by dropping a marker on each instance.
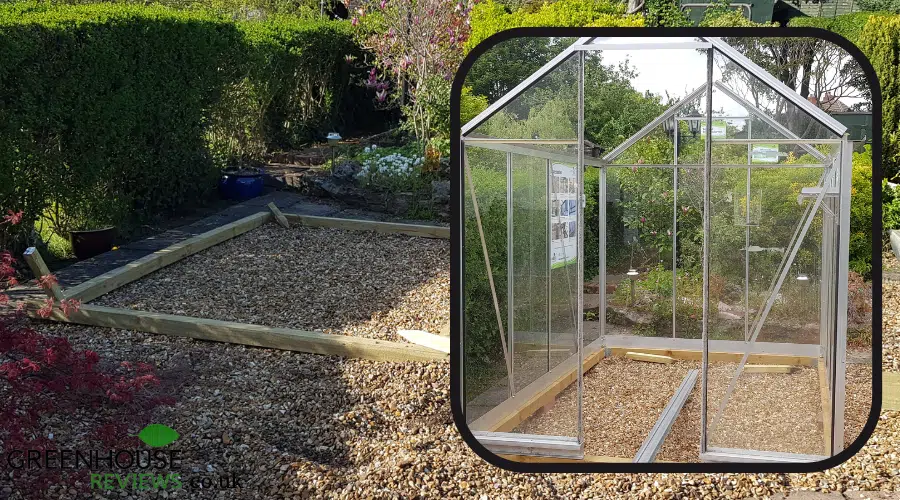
(563, 216)
(764, 153)
(719, 129)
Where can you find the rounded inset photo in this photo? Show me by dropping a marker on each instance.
(654, 263)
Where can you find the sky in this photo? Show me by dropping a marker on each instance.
(676, 71)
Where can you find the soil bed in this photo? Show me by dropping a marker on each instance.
(357, 283)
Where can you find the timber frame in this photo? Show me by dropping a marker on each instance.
(226, 331)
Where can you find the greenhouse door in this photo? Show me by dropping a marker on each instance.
(523, 224)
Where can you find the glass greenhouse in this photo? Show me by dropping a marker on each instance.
(717, 320)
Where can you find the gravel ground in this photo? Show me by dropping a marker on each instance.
(302, 426)
(618, 414)
(345, 282)
(890, 320)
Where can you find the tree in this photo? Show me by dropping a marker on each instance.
(417, 46)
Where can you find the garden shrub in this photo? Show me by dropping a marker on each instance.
(880, 41)
(489, 17)
(120, 113)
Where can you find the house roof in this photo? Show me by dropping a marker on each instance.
(829, 103)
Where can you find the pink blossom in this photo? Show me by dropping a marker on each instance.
(643, 220)
(354, 21)
(383, 4)
(13, 218)
(381, 95)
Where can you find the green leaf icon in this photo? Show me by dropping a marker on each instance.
(157, 435)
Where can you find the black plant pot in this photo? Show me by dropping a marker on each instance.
(86, 244)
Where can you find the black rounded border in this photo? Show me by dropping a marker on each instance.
(457, 260)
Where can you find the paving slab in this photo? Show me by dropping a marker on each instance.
(310, 208)
(82, 271)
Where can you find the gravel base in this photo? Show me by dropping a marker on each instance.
(358, 283)
(618, 413)
(305, 426)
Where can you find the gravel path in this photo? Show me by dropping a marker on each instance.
(305, 426)
(358, 283)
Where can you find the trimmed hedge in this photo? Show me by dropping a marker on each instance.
(880, 41)
(116, 114)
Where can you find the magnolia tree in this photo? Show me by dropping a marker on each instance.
(417, 46)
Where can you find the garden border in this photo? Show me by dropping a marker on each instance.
(225, 331)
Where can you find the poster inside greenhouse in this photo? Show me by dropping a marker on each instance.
(563, 216)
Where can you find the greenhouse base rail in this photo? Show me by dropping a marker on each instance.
(227, 331)
(651, 446)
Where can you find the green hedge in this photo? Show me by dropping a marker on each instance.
(116, 114)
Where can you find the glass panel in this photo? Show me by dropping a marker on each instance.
(639, 251)
(761, 96)
(561, 416)
(689, 241)
(486, 379)
(530, 269)
(547, 110)
(795, 314)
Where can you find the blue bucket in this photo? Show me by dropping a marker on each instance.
(241, 184)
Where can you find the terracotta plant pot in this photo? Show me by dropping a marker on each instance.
(86, 244)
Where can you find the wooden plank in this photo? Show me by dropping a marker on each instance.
(253, 335)
(279, 217)
(426, 339)
(651, 358)
(109, 281)
(39, 269)
(509, 414)
(651, 446)
(691, 355)
(890, 391)
(769, 368)
(826, 407)
(423, 231)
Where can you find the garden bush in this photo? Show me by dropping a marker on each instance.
(880, 41)
(116, 114)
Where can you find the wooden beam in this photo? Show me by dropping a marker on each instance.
(770, 368)
(39, 269)
(253, 335)
(509, 414)
(426, 339)
(691, 355)
(826, 407)
(279, 217)
(651, 358)
(424, 231)
(890, 391)
(109, 281)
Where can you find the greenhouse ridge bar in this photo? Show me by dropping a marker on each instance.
(722, 238)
